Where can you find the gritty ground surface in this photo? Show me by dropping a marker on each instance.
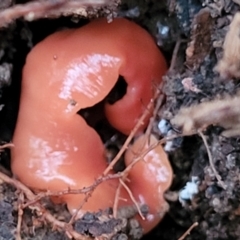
(192, 32)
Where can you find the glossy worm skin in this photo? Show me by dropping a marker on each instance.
(70, 70)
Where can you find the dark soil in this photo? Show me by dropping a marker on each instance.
(190, 33)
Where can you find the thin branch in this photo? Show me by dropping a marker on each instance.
(218, 177)
(39, 9)
(20, 214)
(116, 200)
(75, 215)
(159, 98)
(140, 157)
(130, 137)
(6, 145)
(175, 54)
(132, 197)
(188, 231)
(73, 191)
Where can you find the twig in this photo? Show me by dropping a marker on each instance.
(132, 197)
(175, 53)
(116, 200)
(6, 145)
(156, 109)
(140, 157)
(73, 191)
(74, 216)
(20, 214)
(130, 137)
(38, 9)
(188, 231)
(218, 177)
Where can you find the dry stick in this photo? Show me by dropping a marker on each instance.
(132, 197)
(154, 115)
(19, 10)
(74, 216)
(218, 177)
(155, 111)
(28, 193)
(175, 53)
(6, 145)
(116, 200)
(37, 197)
(130, 137)
(141, 156)
(41, 210)
(188, 231)
(73, 191)
(38, 9)
(20, 214)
